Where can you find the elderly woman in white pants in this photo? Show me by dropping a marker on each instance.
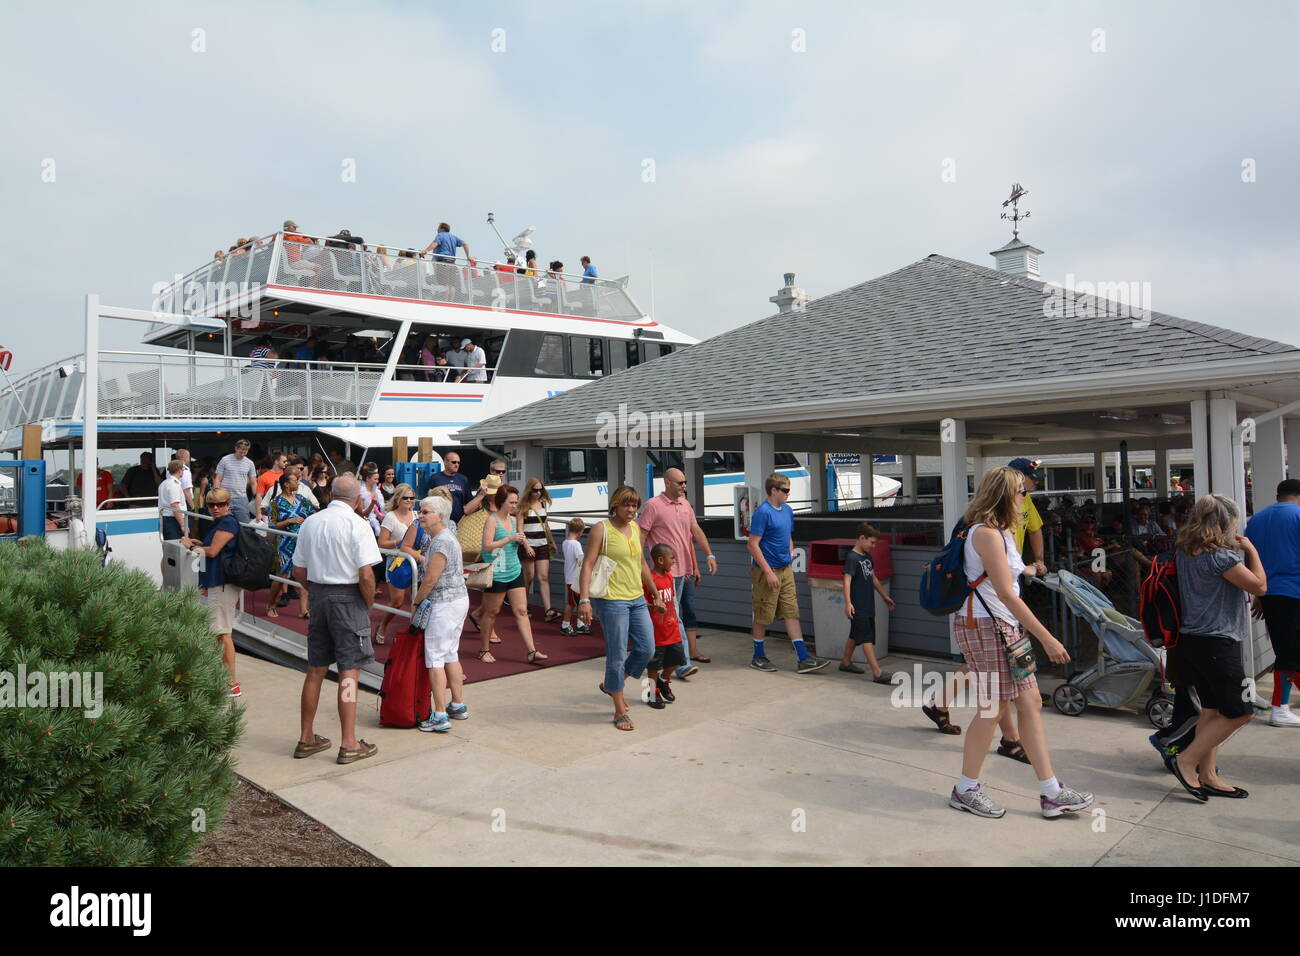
(443, 588)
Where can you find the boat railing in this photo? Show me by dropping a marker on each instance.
(227, 286)
(150, 385)
(451, 374)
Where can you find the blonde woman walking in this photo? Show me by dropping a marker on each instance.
(392, 532)
(993, 619)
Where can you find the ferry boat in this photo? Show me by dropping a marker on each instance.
(372, 322)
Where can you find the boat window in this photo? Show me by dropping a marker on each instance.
(623, 353)
(587, 356)
(784, 459)
(654, 350)
(550, 357)
(574, 466)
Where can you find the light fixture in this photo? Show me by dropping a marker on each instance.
(1119, 415)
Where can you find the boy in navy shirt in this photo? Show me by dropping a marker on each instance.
(860, 589)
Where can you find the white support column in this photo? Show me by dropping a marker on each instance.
(1267, 460)
(1099, 480)
(1162, 472)
(760, 458)
(818, 490)
(613, 471)
(867, 479)
(1223, 419)
(952, 471)
(634, 462)
(907, 493)
(694, 484)
(90, 424)
(524, 461)
(1200, 418)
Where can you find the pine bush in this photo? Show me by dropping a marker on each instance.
(122, 788)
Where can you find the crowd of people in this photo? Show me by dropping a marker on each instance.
(636, 572)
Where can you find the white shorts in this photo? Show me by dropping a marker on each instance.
(222, 604)
(442, 633)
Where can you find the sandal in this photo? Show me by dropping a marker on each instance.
(379, 637)
(494, 639)
(703, 660)
(624, 721)
(486, 657)
(272, 612)
(305, 614)
(1013, 749)
(552, 615)
(536, 657)
(306, 750)
(941, 720)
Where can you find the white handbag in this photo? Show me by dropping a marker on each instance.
(605, 565)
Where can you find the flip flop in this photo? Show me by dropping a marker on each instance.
(624, 721)
(703, 660)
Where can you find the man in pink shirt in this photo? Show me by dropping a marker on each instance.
(668, 518)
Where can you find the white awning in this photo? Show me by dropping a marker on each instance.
(381, 436)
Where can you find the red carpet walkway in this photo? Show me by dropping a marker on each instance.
(510, 654)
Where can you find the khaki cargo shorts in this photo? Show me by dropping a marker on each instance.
(772, 603)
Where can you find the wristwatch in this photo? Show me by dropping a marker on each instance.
(585, 601)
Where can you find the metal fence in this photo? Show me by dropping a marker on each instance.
(331, 266)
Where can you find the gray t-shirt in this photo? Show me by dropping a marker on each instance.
(1211, 605)
(451, 583)
(235, 473)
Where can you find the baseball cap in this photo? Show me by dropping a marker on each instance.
(464, 342)
(1031, 467)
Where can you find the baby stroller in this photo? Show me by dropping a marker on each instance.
(1126, 664)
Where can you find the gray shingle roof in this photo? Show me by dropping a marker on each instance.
(937, 323)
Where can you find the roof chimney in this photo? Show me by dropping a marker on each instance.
(1018, 258)
(789, 298)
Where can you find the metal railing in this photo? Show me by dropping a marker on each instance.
(443, 373)
(329, 265)
(149, 385)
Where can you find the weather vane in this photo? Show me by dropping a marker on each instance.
(1017, 191)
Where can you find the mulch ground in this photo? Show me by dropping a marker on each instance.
(262, 830)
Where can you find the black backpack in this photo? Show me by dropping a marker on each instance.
(249, 564)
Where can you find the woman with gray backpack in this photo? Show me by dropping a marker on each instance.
(992, 629)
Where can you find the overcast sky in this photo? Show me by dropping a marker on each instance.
(810, 138)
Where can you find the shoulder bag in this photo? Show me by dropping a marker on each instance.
(598, 586)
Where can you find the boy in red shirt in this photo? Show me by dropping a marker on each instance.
(669, 653)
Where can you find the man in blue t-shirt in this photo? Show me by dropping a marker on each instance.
(457, 483)
(771, 548)
(1275, 533)
(589, 275)
(445, 244)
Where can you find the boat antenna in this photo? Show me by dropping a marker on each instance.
(1017, 193)
(516, 246)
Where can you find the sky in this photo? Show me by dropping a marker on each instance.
(703, 148)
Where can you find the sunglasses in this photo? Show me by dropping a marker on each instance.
(408, 497)
(495, 472)
(786, 489)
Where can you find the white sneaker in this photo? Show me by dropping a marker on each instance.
(1282, 717)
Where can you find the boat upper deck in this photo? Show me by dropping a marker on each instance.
(302, 262)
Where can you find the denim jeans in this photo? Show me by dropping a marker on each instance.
(621, 620)
(684, 598)
(239, 508)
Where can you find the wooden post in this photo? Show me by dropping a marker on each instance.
(31, 442)
(400, 452)
(426, 449)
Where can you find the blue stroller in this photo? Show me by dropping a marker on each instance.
(1127, 665)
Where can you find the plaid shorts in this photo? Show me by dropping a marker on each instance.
(985, 652)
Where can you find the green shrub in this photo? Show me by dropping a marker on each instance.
(121, 788)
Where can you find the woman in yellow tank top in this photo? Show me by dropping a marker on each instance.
(623, 611)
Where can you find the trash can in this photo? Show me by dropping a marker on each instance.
(826, 584)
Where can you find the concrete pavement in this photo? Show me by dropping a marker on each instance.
(750, 768)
